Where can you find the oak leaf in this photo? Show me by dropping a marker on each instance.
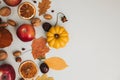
(44, 6)
(56, 63)
(39, 48)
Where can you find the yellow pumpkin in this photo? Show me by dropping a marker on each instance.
(57, 37)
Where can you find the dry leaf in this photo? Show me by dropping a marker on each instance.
(50, 78)
(44, 6)
(38, 78)
(56, 63)
(44, 77)
(39, 48)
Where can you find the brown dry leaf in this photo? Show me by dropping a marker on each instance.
(39, 48)
(56, 63)
(44, 6)
(5, 38)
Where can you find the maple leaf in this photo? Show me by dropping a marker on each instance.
(44, 6)
(39, 48)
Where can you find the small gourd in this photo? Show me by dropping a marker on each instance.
(57, 37)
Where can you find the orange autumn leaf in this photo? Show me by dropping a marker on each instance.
(39, 48)
(44, 6)
(56, 63)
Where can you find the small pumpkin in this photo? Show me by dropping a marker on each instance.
(57, 37)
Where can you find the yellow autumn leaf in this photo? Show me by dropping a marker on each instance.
(50, 78)
(38, 78)
(56, 63)
(44, 77)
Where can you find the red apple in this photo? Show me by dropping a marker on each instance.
(12, 2)
(7, 72)
(26, 32)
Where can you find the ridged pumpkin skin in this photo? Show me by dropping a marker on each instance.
(57, 37)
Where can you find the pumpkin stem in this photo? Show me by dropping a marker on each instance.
(56, 36)
(63, 18)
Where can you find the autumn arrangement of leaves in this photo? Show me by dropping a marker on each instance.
(40, 48)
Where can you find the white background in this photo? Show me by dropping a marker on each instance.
(93, 52)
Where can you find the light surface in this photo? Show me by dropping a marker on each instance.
(93, 52)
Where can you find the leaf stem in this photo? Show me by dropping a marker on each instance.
(58, 17)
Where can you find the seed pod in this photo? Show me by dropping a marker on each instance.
(64, 19)
(36, 22)
(12, 22)
(3, 55)
(17, 53)
(48, 16)
(18, 59)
